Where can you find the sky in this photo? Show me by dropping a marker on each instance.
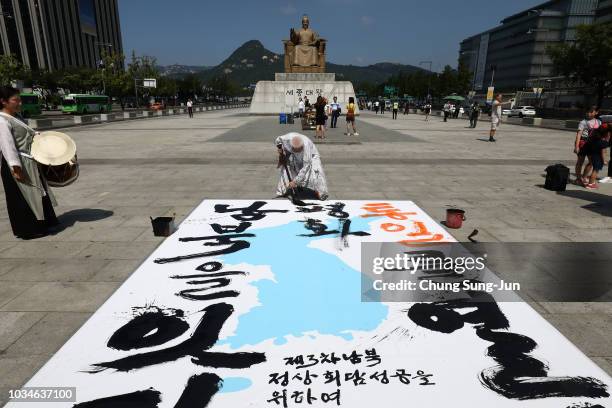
(358, 32)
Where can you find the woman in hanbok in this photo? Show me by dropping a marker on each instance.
(29, 202)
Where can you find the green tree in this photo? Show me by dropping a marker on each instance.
(11, 69)
(111, 75)
(139, 68)
(222, 85)
(190, 85)
(588, 59)
(167, 87)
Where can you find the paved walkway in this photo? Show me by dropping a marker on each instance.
(163, 166)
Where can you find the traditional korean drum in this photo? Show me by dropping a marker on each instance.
(56, 154)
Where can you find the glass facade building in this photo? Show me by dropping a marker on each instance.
(57, 34)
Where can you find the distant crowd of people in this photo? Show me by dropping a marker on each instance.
(325, 110)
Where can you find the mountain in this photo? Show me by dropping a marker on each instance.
(249, 63)
(252, 62)
(177, 70)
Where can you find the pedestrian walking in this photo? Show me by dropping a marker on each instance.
(406, 108)
(306, 102)
(351, 129)
(301, 107)
(29, 202)
(474, 115)
(376, 106)
(190, 107)
(382, 107)
(427, 111)
(446, 109)
(395, 109)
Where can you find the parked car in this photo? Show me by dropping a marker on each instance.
(506, 112)
(522, 111)
(156, 106)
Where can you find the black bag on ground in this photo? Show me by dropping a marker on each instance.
(557, 176)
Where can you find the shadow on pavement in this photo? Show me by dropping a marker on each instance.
(600, 203)
(69, 218)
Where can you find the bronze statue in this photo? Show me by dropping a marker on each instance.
(305, 51)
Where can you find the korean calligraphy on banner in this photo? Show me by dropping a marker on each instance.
(257, 304)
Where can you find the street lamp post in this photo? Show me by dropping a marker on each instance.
(103, 66)
(429, 79)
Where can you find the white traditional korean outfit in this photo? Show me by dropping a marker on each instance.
(304, 167)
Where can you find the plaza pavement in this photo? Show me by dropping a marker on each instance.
(163, 166)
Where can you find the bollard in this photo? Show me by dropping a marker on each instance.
(77, 120)
(103, 117)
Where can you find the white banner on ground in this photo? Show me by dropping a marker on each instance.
(258, 304)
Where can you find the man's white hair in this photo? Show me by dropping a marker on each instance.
(297, 142)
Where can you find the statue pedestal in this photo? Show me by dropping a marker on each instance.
(282, 94)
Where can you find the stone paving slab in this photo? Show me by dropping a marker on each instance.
(133, 170)
(260, 130)
(62, 297)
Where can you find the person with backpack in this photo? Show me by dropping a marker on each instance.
(585, 129)
(350, 118)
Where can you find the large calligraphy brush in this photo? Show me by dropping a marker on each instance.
(283, 159)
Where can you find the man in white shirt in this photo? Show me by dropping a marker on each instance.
(496, 115)
(301, 107)
(190, 108)
(335, 112)
(446, 110)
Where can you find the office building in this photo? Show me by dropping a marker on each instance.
(604, 12)
(515, 51)
(58, 34)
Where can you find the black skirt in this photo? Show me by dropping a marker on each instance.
(23, 221)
